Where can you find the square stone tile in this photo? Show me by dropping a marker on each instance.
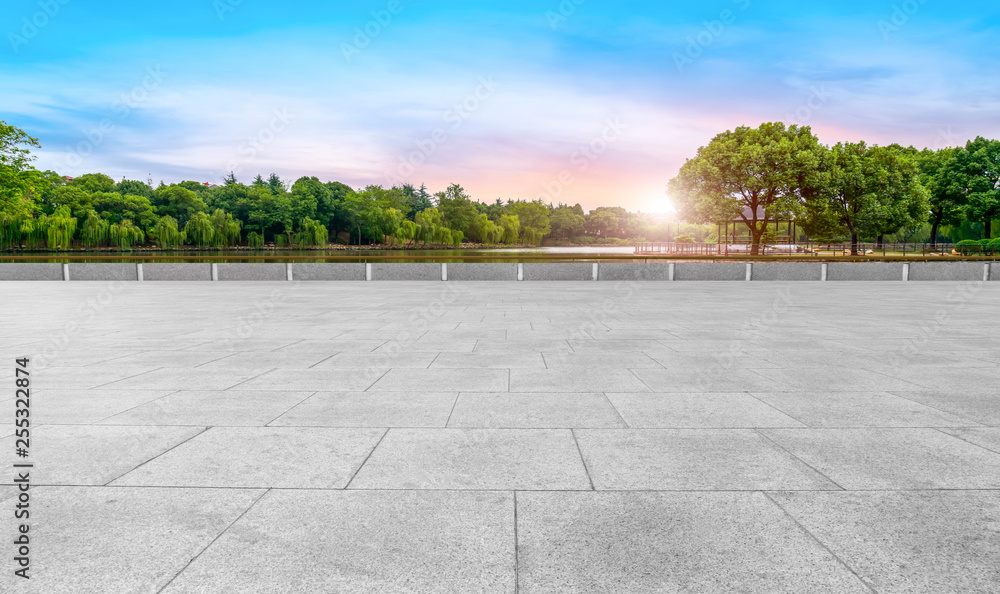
(631, 360)
(527, 345)
(474, 459)
(452, 380)
(575, 380)
(711, 379)
(371, 409)
(261, 360)
(669, 542)
(903, 542)
(858, 409)
(110, 540)
(273, 457)
(436, 345)
(961, 378)
(361, 541)
(488, 361)
(381, 360)
(331, 347)
(85, 378)
(75, 407)
(692, 459)
(981, 406)
(986, 437)
(315, 379)
(698, 410)
(868, 459)
(95, 455)
(185, 379)
(201, 408)
(164, 358)
(831, 379)
(533, 410)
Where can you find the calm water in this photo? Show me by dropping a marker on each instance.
(513, 254)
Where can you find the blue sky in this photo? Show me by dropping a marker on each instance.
(589, 101)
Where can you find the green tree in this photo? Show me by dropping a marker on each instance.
(755, 175)
(117, 208)
(532, 216)
(94, 182)
(566, 223)
(277, 186)
(227, 229)
(200, 229)
(166, 233)
(126, 235)
(94, 231)
(457, 208)
(307, 195)
(177, 202)
(131, 187)
(510, 228)
(946, 192)
(868, 190)
(979, 167)
(19, 181)
(417, 199)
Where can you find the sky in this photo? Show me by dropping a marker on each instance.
(580, 101)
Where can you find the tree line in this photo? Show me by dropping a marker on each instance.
(42, 209)
(757, 176)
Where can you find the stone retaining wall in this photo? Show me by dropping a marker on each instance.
(572, 271)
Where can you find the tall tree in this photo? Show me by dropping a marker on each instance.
(754, 175)
(979, 165)
(946, 193)
(133, 187)
(94, 182)
(19, 181)
(534, 219)
(177, 202)
(868, 191)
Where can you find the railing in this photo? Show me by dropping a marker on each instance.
(800, 248)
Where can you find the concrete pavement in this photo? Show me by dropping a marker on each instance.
(506, 437)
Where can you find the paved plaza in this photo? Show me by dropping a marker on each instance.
(505, 437)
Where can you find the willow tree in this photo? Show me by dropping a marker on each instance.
(255, 240)
(490, 233)
(407, 232)
(311, 233)
(428, 224)
(227, 229)
(59, 228)
(753, 175)
(94, 231)
(167, 233)
(200, 229)
(125, 234)
(510, 227)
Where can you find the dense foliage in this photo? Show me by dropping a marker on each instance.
(761, 175)
(851, 190)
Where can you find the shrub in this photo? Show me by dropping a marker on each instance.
(684, 239)
(993, 246)
(968, 247)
